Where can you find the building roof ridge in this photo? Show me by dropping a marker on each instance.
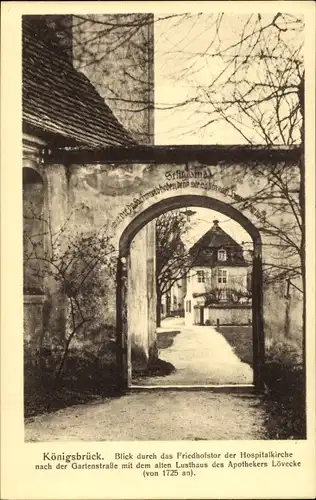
(215, 237)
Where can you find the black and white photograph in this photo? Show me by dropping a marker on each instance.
(165, 200)
(163, 227)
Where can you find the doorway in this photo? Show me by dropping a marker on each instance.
(123, 270)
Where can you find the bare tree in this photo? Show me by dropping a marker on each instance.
(255, 70)
(254, 65)
(255, 86)
(173, 259)
(72, 262)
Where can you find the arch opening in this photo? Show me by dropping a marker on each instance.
(123, 272)
(33, 231)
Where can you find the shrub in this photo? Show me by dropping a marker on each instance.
(89, 371)
(284, 400)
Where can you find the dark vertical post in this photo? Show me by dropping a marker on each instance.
(287, 309)
(121, 325)
(257, 320)
(201, 315)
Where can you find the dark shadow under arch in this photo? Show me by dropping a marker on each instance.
(31, 176)
(140, 221)
(33, 191)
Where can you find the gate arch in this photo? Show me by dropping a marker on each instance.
(140, 221)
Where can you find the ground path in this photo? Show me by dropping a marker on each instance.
(201, 356)
(154, 415)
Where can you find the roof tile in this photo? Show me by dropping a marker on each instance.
(61, 101)
(213, 240)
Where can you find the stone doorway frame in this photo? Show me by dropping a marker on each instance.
(158, 208)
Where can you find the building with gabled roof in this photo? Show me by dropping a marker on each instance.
(215, 247)
(219, 274)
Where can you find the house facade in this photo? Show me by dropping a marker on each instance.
(172, 303)
(219, 278)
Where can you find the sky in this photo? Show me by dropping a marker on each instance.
(202, 221)
(176, 44)
(184, 69)
(183, 65)
(177, 72)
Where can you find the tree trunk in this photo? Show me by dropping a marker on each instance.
(158, 310)
(301, 96)
(287, 317)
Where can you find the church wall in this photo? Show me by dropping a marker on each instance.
(45, 305)
(123, 192)
(108, 198)
(124, 77)
(120, 66)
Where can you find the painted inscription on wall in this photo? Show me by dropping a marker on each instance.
(183, 179)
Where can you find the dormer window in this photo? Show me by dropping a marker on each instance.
(222, 255)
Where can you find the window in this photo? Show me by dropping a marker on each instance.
(222, 276)
(222, 254)
(201, 276)
(188, 306)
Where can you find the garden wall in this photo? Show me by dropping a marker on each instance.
(228, 315)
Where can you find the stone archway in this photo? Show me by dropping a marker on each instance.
(139, 222)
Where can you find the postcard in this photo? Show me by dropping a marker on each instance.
(158, 250)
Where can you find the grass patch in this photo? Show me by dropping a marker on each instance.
(240, 339)
(90, 373)
(284, 400)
